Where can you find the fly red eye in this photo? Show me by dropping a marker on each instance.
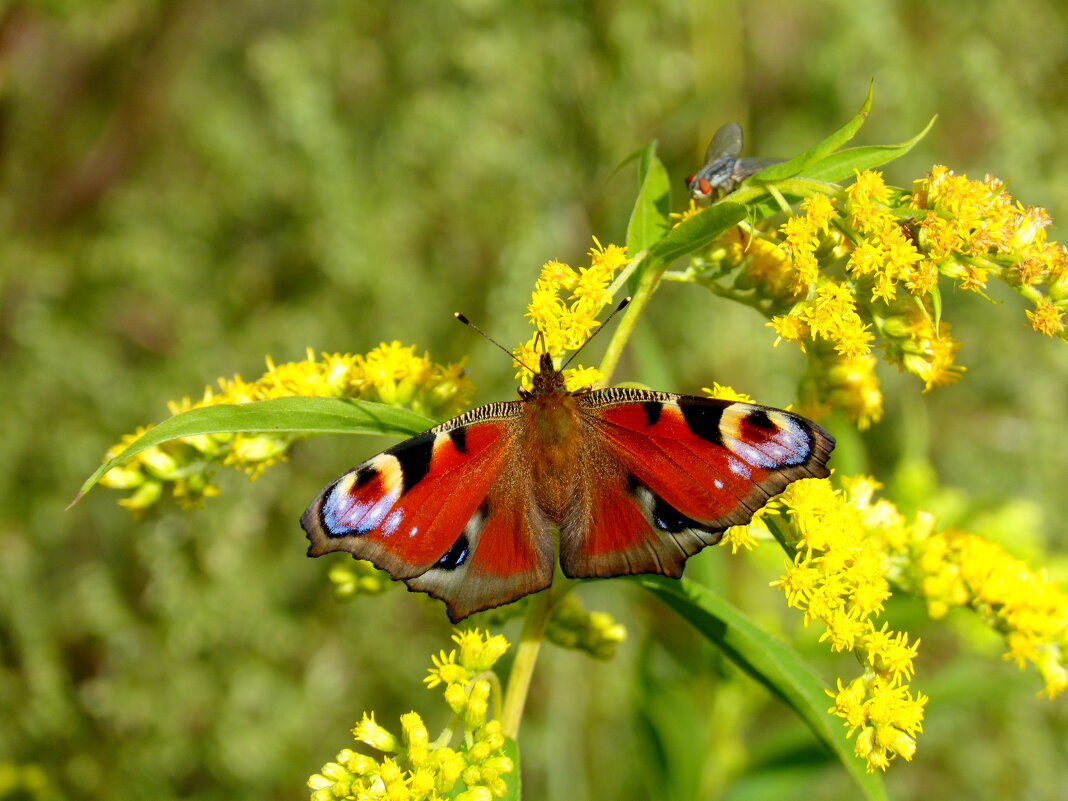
(705, 186)
(689, 179)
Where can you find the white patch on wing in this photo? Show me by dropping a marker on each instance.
(792, 437)
(345, 514)
(786, 444)
(738, 467)
(392, 522)
(474, 527)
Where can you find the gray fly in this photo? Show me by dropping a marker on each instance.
(723, 170)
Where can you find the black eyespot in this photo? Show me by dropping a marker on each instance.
(667, 518)
(364, 475)
(456, 555)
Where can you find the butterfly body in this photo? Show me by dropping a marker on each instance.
(634, 481)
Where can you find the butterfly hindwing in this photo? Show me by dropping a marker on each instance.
(507, 552)
(676, 471)
(445, 511)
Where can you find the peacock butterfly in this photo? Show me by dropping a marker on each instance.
(635, 481)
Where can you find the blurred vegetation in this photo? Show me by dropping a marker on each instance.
(190, 186)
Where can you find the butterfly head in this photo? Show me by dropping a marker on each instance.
(548, 379)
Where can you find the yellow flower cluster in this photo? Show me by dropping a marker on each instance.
(839, 578)
(851, 546)
(885, 253)
(420, 769)
(564, 309)
(955, 568)
(571, 626)
(838, 382)
(847, 270)
(974, 228)
(919, 346)
(353, 577)
(391, 373)
(763, 263)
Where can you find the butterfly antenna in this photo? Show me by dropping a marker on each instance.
(622, 305)
(511, 355)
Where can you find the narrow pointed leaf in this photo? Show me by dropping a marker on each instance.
(769, 661)
(294, 415)
(797, 164)
(696, 232)
(843, 164)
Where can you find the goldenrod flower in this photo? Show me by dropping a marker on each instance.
(862, 267)
(479, 651)
(572, 626)
(846, 383)
(357, 577)
(1046, 318)
(368, 731)
(850, 545)
(421, 769)
(564, 308)
(838, 577)
(723, 392)
(690, 211)
(955, 568)
(446, 670)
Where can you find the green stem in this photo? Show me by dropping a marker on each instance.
(646, 285)
(526, 656)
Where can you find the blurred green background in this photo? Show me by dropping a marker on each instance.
(188, 186)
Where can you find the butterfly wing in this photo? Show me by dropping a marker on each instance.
(446, 511)
(674, 471)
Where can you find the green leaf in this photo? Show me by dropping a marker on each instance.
(767, 660)
(696, 232)
(797, 164)
(515, 785)
(845, 163)
(294, 415)
(649, 219)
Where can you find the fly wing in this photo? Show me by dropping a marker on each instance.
(743, 168)
(727, 141)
